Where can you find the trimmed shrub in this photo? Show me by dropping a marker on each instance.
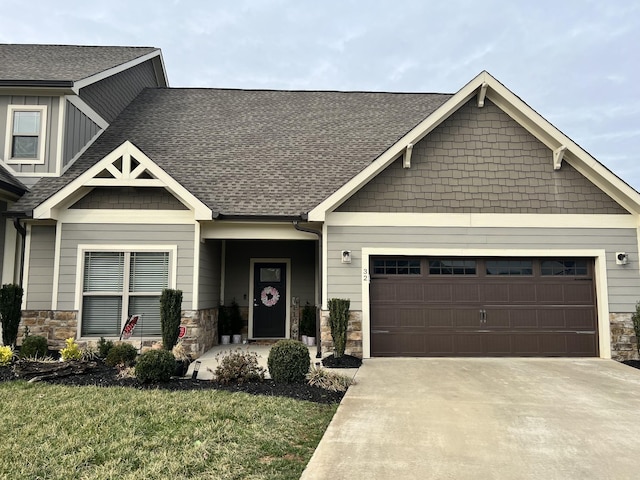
(289, 361)
(338, 321)
(224, 320)
(170, 315)
(155, 366)
(10, 312)
(308, 321)
(238, 366)
(34, 346)
(6, 355)
(71, 351)
(122, 354)
(104, 346)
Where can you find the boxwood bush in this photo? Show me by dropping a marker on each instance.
(289, 361)
(123, 354)
(34, 346)
(155, 366)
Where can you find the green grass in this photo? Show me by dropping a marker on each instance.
(59, 432)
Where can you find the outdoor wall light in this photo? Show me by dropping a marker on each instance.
(622, 258)
(346, 256)
(196, 368)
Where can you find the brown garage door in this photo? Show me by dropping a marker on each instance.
(482, 307)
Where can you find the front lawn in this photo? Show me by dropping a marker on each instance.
(62, 432)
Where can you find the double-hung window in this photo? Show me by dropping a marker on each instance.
(119, 284)
(26, 126)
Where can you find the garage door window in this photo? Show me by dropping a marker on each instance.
(509, 267)
(564, 267)
(452, 267)
(396, 267)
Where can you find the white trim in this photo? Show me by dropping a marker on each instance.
(325, 267)
(162, 217)
(47, 209)
(25, 267)
(254, 230)
(56, 266)
(9, 254)
(516, 109)
(126, 248)
(252, 262)
(534, 220)
(81, 105)
(42, 137)
(62, 111)
(600, 273)
(196, 267)
(113, 71)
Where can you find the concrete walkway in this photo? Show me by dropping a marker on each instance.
(484, 419)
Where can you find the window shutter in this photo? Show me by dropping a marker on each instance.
(149, 272)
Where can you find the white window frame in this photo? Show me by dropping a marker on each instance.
(39, 160)
(172, 250)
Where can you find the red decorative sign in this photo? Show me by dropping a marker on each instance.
(182, 332)
(129, 325)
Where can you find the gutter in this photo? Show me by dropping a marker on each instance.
(37, 83)
(318, 307)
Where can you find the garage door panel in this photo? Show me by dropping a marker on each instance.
(513, 311)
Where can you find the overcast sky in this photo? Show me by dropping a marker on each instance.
(575, 62)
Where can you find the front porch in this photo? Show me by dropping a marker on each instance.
(208, 361)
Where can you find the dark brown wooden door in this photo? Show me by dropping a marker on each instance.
(270, 300)
(482, 307)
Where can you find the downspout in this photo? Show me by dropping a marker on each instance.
(23, 233)
(319, 307)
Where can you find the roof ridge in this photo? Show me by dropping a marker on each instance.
(275, 90)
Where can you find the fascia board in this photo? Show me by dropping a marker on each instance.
(112, 71)
(46, 208)
(413, 136)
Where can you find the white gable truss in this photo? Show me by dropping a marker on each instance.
(484, 86)
(126, 166)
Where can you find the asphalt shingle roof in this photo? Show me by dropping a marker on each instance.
(56, 63)
(9, 182)
(255, 153)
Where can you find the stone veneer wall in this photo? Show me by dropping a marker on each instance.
(354, 334)
(202, 330)
(55, 326)
(623, 337)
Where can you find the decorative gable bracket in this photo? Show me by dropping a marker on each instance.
(558, 155)
(126, 166)
(406, 161)
(482, 94)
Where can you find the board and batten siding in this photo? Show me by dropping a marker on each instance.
(40, 275)
(124, 234)
(345, 280)
(209, 274)
(51, 134)
(79, 129)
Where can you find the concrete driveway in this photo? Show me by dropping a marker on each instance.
(485, 419)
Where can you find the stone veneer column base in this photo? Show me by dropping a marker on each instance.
(202, 330)
(56, 326)
(623, 337)
(354, 334)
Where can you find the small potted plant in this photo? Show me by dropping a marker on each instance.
(224, 325)
(235, 320)
(308, 324)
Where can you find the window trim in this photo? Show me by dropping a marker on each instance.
(40, 159)
(172, 250)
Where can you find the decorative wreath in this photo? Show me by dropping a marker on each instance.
(269, 296)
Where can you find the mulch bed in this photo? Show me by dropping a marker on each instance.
(104, 376)
(632, 363)
(345, 361)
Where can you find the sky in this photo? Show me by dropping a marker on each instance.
(575, 62)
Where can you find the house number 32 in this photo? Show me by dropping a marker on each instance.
(365, 274)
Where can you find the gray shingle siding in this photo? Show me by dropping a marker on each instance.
(110, 96)
(123, 198)
(481, 160)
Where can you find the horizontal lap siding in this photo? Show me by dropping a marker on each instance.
(209, 271)
(124, 234)
(344, 280)
(40, 275)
